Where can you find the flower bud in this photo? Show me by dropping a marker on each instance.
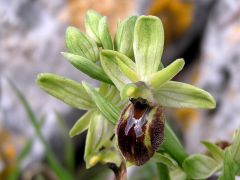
(140, 130)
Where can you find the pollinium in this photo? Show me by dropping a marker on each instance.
(140, 130)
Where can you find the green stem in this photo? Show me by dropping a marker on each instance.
(163, 171)
(172, 145)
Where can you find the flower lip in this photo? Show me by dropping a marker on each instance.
(140, 130)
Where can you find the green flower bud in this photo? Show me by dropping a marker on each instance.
(140, 130)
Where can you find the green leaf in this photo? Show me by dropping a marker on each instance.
(199, 166)
(235, 147)
(25, 151)
(229, 167)
(99, 132)
(80, 44)
(104, 34)
(109, 60)
(178, 174)
(166, 74)
(124, 36)
(66, 90)
(81, 124)
(172, 145)
(216, 151)
(51, 158)
(87, 67)
(148, 45)
(163, 172)
(164, 159)
(181, 95)
(106, 108)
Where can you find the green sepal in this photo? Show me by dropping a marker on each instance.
(66, 90)
(104, 34)
(106, 108)
(166, 74)
(80, 44)
(148, 45)
(110, 93)
(200, 166)
(109, 61)
(182, 95)
(99, 133)
(87, 67)
(123, 41)
(81, 124)
(92, 19)
(216, 152)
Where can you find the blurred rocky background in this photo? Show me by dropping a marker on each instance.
(204, 32)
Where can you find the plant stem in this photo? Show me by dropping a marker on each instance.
(120, 172)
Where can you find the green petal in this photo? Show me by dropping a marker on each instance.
(166, 74)
(130, 73)
(104, 34)
(99, 133)
(109, 60)
(124, 36)
(66, 90)
(87, 67)
(106, 108)
(181, 95)
(215, 151)
(92, 19)
(80, 44)
(81, 124)
(199, 166)
(148, 45)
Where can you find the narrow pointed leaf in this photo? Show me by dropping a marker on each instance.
(235, 147)
(216, 152)
(99, 132)
(66, 90)
(80, 44)
(124, 36)
(81, 124)
(181, 95)
(199, 166)
(87, 67)
(166, 74)
(109, 60)
(92, 19)
(104, 34)
(148, 45)
(106, 108)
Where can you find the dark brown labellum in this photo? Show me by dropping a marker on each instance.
(140, 130)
